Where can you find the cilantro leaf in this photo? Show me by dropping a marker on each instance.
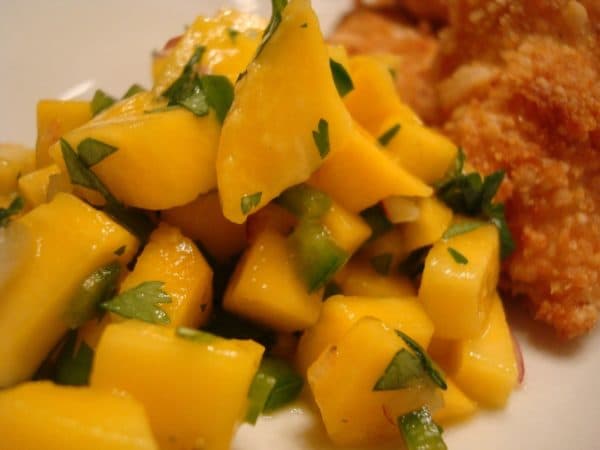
(120, 250)
(133, 89)
(403, 371)
(341, 77)
(233, 34)
(100, 102)
(459, 228)
(96, 288)
(249, 202)
(430, 367)
(321, 137)
(187, 89)
(277, 7)
(141, 303)
(15, 206)
(420, 432)
(74, 362)
(219, 94)
(92, 151)
(458, 257)
(389, 134)
(382, 263)
(495, 212)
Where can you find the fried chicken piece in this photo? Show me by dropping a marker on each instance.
(533, 109)
(410, 51)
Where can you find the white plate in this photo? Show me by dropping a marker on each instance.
(68, 48)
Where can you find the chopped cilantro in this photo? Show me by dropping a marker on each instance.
(458, 257)
(403, 371)
(321, 137)
(120, 250)
(341, 77)
(74, 362)
(233, 34)
(392, 73)
(133, 89)
(100, 102)
(15, 206)
(388, 135)
(459, 228)
(92, 151)
(277, 7)
(472, 195)
(377, 221)
(195, 335)
(420, 432)
(249, 202)
(382, 263)
(430, 367)
(99, 286)
(141, 302)
(304, 25)
(219, 94)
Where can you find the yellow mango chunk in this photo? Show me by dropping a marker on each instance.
(374, 97)
(174, 259)
(433, 220)
(15, 161)
(231, 38)
(273, 217)
(380, 177)
(71, 240)
(164, 159)
(41, 415)
(266, 288)
(202, 220)
(33, 187)
(348, 231)
(54, 119)
(359, 278)
(485, 367)
(457, 296)
(422, 151)
(389, 243)
(457, 406)
(340, 313)
(195, 392)
(268, 140)
(342, 381)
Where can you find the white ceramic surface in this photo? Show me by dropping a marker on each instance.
(68, 48)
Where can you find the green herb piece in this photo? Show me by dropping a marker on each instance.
(219, 94)
(100, 102)
(260, 389)
(133, 90)
(99, 286)
(472, 195)
(392, 73)
(388, 135)
(304, 25)
(430, 367)
(458, 257)
(277, 7)
(414, 263)
(92, 151)
(341, 77)
(317, 256)
(331, 289)
(15, 206)
(233, 34)
(195, 335)
(249, 202)
(382, 263)
(404, 370)
(303, 200)
(321, 137)
(120, 250)
(187, 89)
(377, 221)
(141, 302)
(74, 362)
(459, 228)
(420, 432)
(80, 174)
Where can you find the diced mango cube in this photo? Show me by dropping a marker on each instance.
(266, 287)
(349, 231)
(422, 151)
(390, 243)
(15, 161)
(71, 240)
(374, 97)
(359, 278)
(194, 388)
(457, 294)
(359, 175)
(457, 406)
(33, 187)
(343, 378)
(54, 119)
(273, 217)
(174, 259)
(257, 161)
(42, 415)
(485, 367)
(202, 220)
(434, 218)
(340, 313)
